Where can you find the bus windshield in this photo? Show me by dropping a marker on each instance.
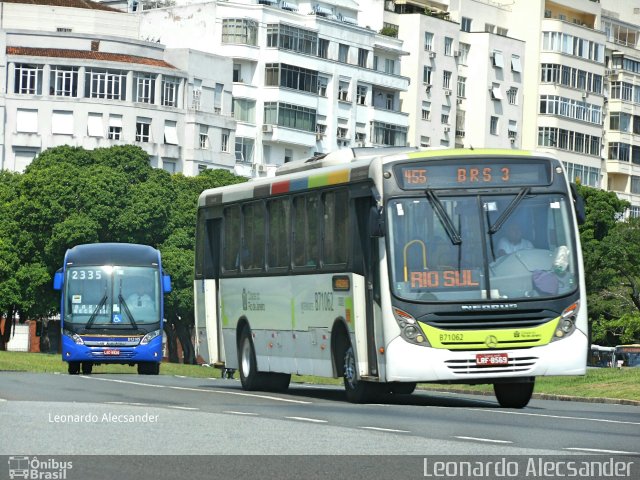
(484, 246)
(111, 296)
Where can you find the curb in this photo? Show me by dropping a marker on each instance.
(547, 396)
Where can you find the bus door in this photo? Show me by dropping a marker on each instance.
(208, 324)
(368, 266)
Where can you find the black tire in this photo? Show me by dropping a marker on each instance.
(278, 382)
(148, 368)
(250, 378)
(403, 388)
(74, 368)
(513, 395)
(357, 391)
(87, 367)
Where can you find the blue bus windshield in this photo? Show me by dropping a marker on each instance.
(111, 296)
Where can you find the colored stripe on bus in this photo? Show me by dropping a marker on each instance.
(280, 187)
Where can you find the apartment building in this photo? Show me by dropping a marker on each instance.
(77, 73)
(308, 77)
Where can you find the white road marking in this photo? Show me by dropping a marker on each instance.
(180, 376)
(178, 407)
(305, 419)
(597, 450)
(486, 440)
(379, 429)
(239, 413)
(562, 417)
(224, 392)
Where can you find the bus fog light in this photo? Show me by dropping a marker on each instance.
(411, 331)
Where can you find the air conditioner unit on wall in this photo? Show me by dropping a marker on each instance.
(447, 92)
(267, 128)
(447, 129)
(432, 54)
(456, 53)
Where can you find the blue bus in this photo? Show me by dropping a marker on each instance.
(112, 306)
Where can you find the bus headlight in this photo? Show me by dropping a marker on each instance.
(74, 336)
(567, 324)
(409, 328)
(150, 336)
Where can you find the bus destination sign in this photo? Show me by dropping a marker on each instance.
(418, 176)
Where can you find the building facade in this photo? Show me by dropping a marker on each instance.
(67, 80)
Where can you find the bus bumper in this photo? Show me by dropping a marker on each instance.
(72, 352)
(406, 362)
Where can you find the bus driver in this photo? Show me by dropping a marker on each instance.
(513, 241)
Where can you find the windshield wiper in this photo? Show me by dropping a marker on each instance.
(94, 315)
(127, 311)
(443, 216)
(508, 211)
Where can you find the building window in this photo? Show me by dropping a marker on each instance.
(115, 127)
(428, 41)
(361, 95)
(143, 129)
(322, 86)
(170, 132)
(244, 110)
(289, 76)
(224, 141)
(512, 96)
(95, 127)
(108, 84)
(498, 59)
(343, 53)
(462, 87)
(446, 79)
(496, 93)
(244, 150)
(28, 79)
(425, 141)
(62, 123)
(204, 137)
(363, 56)
(465, 24)
(26, 121)
(426, 75)
(464, 53)
(444, 118)
(241, 31)
(512, 130)
(290, 116)
(448, 46)
(144, 88)
(426, 111)
(516, 65)
(389, 66)
(342, 133)
(343, 91)
(323, 48)
(170, 91)
(64, 81)
(493, 126)
(389, 134)
(287, 37)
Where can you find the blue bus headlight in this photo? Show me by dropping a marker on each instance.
(150, 336)
(74, 336)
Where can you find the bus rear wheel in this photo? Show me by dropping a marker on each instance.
(250, 378)
(513, 395)
(87, 367)
(74, 368)
(403, 388)
(357, 391)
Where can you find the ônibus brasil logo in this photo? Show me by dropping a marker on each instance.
(21, 466)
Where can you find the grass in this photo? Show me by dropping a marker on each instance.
(597, 383)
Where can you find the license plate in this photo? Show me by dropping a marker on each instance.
(111, 352)
(492, 359)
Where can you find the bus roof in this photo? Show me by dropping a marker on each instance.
(339, 167)
(112, 254)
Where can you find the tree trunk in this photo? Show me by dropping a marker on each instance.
(188, 351)
(171, 341)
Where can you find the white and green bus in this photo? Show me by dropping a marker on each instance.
(395, 266)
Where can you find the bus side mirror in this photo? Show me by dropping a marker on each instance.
(166, 283)
(578, 205)
(376, 222)
(57, 280)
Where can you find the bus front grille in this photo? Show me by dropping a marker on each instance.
(469, 366)
(488, 320)
(122, 354)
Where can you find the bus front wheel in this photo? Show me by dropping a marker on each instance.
(87, 367)
(148, 368)
(358, 391)
(250, 378)
(513, 395)
(74, 368)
